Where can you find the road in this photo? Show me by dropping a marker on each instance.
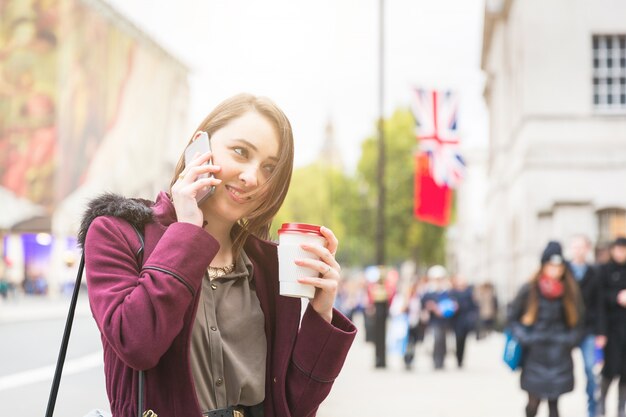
(28, 354)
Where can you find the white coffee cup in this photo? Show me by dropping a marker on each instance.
(290, 237)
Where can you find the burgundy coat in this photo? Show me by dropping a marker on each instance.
(145, 314)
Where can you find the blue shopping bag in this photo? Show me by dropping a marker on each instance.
(447, 307)
(512, 351)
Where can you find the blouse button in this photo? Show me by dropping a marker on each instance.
(213, 286)
(219, 382)
(214, 328)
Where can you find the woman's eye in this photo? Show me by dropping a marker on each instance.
(240, 151)
(269, 168)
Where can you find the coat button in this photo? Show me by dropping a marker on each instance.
(214, 328)
(275, 380)
(213, 286)
(219, 382)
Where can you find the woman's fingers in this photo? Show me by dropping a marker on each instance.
(192, 172)
(200, 159)
(325, 270)
(333, 243)
(203, 183)
(327, 285)
(325, 255)
(195, 172)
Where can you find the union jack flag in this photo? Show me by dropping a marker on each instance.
(436, 116)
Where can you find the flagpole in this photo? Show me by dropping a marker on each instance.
(380, 177)
(380, 302)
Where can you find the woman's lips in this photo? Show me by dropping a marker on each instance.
(236, 194)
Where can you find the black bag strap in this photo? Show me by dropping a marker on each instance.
(56, 381)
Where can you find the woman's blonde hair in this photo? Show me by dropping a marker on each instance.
(571, 300)
(275, 189)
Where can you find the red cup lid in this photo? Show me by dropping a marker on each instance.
(300, 228)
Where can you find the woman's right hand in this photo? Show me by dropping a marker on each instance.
(188, 185)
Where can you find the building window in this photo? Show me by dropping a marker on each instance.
(611, 224)
(609, 72)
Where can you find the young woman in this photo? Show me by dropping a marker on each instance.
(198, 308)
(545, 317)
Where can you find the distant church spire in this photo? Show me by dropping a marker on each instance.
(330, 154)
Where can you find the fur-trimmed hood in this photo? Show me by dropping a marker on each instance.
(136, 211)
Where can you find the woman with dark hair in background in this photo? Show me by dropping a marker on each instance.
(545, 317)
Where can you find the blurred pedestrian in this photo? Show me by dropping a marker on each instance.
(464, 320)
(380, 300)
(352, 296)
(613, 281)
(187, 289)
(4, 282)
(545, 317)
(589, 284)
(417, 319)
(487, 301)
(440, 306)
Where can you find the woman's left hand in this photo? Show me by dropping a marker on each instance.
(328, 281)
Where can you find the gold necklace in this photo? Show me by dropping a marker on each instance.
(220, 271)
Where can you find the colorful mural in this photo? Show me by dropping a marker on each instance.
(28, 96)
(97, 59)
(62, 71)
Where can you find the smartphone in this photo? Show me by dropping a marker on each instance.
(200, 144)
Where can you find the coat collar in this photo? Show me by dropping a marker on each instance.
(135, 211)
(140, 212)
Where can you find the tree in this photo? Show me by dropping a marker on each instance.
(322, 194)
(406, 238)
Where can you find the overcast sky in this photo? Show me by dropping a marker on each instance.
(319, 60)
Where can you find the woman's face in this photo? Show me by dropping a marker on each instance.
(618, 252)
(247, 151)
(553, 271)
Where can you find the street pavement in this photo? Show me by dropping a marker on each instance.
(22, 308)
(485, 387)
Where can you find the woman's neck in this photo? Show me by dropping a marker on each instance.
(221, 233)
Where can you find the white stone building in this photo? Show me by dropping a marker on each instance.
(556, 162)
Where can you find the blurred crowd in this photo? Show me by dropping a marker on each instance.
(570, 304)
(433, 303)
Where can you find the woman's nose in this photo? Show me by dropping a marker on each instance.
(249, 176)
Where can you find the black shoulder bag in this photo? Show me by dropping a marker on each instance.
(66, 338)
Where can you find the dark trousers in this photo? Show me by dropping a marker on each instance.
(461, 337)
(439, 348)
(416, 335)
(621, 397)
(380, 333)
(533, 406)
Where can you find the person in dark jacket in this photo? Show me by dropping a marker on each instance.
(613, 281)
(188, 292)
(589, 284)
(545, 317)
(440, 307)
(466, 316)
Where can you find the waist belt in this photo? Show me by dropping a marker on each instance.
(236, 411)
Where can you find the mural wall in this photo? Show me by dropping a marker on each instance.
(29, 42)
(96, 60)
(88, 103)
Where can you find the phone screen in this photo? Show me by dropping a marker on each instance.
(201, 144)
